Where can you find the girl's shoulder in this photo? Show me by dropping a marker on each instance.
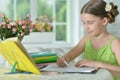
(116, 45)
(116, 40)
(85, 38)
(116, 48)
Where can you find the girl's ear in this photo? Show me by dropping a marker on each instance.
(105, 21)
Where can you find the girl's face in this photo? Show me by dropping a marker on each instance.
(93, 25)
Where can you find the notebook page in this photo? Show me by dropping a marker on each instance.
(69, 69)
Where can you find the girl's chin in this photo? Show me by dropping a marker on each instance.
(91, 33)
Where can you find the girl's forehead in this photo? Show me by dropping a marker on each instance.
(88, 15)
(85, 16)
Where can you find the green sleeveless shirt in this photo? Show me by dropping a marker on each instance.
(103, 54)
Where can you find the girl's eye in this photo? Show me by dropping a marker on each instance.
(90, 22)
(83, 23)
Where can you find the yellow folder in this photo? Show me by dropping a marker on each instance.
(13, 51)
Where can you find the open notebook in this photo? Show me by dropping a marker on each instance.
(69, 69)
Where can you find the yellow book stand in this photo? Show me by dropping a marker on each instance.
(15, 53)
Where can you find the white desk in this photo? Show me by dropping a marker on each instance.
(102, 74)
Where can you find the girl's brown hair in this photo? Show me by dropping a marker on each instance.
(97, 8)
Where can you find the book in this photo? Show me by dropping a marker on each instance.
(15, 53)
(38, 60)
(69, 69)
(45, 61)
(42, 54)
(45, 58)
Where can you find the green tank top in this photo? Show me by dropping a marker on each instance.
(103, 54)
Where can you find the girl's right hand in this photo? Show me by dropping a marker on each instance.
(60, 62)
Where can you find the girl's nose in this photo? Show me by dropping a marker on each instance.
(86, 27)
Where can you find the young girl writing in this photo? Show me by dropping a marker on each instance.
(100, 48)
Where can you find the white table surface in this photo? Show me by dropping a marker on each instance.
(101, 74)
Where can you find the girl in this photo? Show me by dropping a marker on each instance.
(101, 49)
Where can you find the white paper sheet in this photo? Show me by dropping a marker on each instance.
(69, 69)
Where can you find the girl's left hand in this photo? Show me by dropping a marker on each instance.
(87, 63)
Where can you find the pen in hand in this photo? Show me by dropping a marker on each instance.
(60, 56)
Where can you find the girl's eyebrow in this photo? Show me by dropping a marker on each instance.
(87, 21)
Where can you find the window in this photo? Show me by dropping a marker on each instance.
(58, 9)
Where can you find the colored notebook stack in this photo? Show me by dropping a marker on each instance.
(43, 59)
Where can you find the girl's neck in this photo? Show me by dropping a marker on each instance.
(102, 35)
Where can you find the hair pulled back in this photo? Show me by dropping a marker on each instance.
(97, 8)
